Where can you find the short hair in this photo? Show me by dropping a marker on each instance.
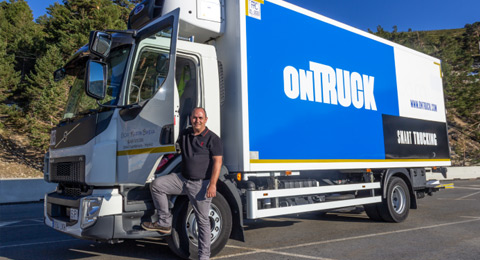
(204, 111)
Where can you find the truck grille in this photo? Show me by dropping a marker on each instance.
(72, 192)
(68, 169)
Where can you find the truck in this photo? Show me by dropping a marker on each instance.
(314, 115)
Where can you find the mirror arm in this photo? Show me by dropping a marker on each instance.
(132, 32)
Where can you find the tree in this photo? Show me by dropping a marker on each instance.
(48, 97)
(9, 78)
(69, 25)
(24, 37)
(20, 43)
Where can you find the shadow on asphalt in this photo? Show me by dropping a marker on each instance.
(352, 215)
(81, 249)
(267, 223)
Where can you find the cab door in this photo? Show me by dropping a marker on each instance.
(146, 126)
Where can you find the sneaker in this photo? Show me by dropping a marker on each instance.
(156, 227)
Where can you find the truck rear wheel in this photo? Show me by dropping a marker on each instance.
(395, 207)
(184, 238)
(372, 212)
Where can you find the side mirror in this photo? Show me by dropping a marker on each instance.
(100, 43)
(96, 79)
(59, 74)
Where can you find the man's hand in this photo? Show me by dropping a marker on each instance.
(211, 191)
(212, 187)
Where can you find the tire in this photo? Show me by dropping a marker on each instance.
(372, 212)
(184, 238)
(395, 207)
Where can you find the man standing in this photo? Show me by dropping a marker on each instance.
(202, 154)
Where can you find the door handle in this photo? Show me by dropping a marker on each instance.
(166, 135)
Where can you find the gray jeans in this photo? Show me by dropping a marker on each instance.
(176, 184)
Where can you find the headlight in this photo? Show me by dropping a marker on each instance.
(91, 209)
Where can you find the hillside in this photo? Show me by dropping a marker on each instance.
(19, 159)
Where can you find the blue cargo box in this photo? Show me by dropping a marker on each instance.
(318, 94)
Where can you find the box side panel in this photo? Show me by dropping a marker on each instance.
(419, 84)
(318, 95)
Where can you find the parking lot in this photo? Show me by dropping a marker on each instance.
(445, 226)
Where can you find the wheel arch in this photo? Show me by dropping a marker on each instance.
(230, 192)
(405, 176)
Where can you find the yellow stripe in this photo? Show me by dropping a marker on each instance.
(346, 160)
(440, 66)
(162, 149)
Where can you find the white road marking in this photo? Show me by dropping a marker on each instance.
(257, 250)
(466, 188)
(464, 197)
(453, 199)
(16, 226)
(378, 234)
(238, 254)
(8, 223)
(275, 250)
(39, 243)
(11, 224)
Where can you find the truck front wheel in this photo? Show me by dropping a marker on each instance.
(396, 205)
(184, 238)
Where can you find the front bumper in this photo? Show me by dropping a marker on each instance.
(68, 215)
(87, 217)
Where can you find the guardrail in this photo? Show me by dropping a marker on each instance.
(33, 190)
(24, 190)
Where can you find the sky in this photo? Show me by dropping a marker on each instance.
(418, 15)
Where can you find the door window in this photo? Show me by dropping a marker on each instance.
(187, 85)
(150, 73)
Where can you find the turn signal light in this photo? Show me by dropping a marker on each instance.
(239, 176)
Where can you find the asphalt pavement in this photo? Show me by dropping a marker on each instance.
(445, 226)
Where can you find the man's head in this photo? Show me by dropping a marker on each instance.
(199, 119)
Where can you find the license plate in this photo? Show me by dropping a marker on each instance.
(73, 214)
(59, 225)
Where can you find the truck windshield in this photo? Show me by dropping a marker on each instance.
(79, 103)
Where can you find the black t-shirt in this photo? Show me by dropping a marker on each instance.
(197, 152)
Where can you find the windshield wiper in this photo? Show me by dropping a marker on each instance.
(84, 113)
(88, 112)
(65, 120)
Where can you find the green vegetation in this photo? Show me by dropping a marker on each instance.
(32, 103)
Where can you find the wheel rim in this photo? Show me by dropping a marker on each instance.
(399, 199)
(215, 217)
